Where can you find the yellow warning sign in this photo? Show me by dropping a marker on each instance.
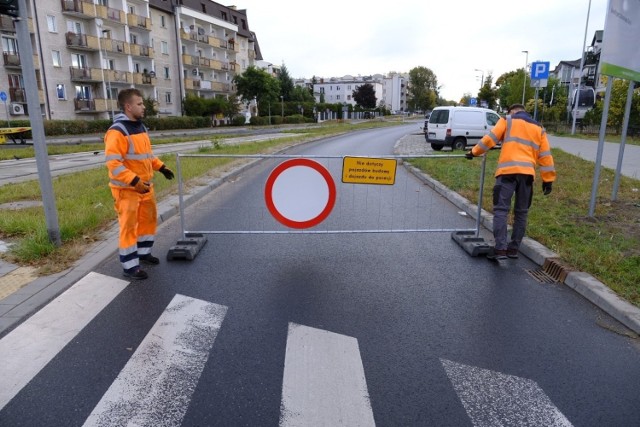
(368, 170)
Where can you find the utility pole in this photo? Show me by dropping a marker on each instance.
(37, 125)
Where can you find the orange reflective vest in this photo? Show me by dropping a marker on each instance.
(128, 153)
(524, 145)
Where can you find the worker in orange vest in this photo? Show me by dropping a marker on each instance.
(524, 145)
(131, 165)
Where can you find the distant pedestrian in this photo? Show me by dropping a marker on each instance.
(524, 145)
(131, 164)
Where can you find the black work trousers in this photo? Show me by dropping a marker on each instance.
(506, 186)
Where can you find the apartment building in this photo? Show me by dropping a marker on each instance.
(86, 51)
(390, 90)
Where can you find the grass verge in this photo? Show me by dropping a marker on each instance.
(606, 246)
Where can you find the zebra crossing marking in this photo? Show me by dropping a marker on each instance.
(323, 382)
(156, 385)
(495, 399)
(29, 347)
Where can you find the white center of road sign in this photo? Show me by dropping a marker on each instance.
(300, 193)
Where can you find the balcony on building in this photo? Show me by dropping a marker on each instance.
(85, 74)
(191, 84)
(118, 77)
(137, 21)
(144, 79)
(79, 8)
(115, 46)
(19, 94)
(82, 41)
(141, 50)
(8, 24)
(114, 16)
(12, 60)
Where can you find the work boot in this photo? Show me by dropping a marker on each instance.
(512, 253)
(149, 259)
(496, 254)
(135, 273)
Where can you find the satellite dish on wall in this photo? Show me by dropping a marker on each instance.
(194, 72)
(201, 31)
(187, 30)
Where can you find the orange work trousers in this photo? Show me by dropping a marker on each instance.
(138, 219)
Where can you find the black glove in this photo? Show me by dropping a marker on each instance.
(168, 173)
(468, 155)
(140, 186)
(546, 188)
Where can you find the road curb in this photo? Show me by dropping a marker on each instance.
(586, 285)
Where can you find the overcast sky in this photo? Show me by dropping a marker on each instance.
(333, 38)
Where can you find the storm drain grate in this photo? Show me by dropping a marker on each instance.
(540, 276)
(552, 271)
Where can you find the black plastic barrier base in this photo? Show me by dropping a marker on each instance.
(473, 245)
(187, 248)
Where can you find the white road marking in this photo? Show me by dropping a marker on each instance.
(156, 385)
(324, 382)
(29, 347)
(496, 399)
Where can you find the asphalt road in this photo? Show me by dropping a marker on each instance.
(341, 328)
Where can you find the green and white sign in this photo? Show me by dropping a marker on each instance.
(619, 57)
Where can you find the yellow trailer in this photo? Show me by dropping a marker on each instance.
(14, 134)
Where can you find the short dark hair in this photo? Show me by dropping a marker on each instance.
(515, 107)
(125, 96)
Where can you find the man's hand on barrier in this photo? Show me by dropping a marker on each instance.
(546, 188)
(168, 173)
(468, 155)
(142, 187)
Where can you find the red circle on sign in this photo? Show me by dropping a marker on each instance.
(282, 167)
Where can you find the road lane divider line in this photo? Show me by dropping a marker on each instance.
(31, 346)
(159, 380)
(323, 382)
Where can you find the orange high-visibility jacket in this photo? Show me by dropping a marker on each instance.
(128, 153)
(524, 144)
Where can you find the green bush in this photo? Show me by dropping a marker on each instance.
(276, 120)
(296, 118)
(237, 121)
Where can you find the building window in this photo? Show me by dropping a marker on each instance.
(338, 97)
(61, 92)
(204, 7)
(235, 20)
(167, 97)
(163, 22)
(57, 61)
(244, 24)
(167, 74)
(51, 23)
(223, 15)
(337, 87)
(164, 47)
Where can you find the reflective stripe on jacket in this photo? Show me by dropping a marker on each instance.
(128, 153)
(524, 145)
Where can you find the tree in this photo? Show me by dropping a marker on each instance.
(365, 96)
(150, 107)
(257, 83)
(286, 83)
(510, 86)
(423, 89)
(301, 94)
(488, 94)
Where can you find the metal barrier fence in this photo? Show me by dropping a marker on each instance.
(239, 206)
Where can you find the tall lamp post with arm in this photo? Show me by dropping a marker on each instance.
(524, 83)
(482, 78)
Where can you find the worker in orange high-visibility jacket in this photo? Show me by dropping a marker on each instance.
(524, 145)
(131, 165)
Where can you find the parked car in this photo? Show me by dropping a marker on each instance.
(457, 127)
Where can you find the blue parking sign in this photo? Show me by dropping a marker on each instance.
(3, 96)
(540, 70)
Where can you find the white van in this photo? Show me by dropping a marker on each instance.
(457, 127)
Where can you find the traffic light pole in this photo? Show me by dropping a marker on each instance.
(37, 124)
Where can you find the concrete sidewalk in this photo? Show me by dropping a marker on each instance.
(28, 293)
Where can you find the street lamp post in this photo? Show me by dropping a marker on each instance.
(481, 79)
(109, 94)
(282, 106)
(524, 83)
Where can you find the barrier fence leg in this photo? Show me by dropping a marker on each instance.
(471, 242)
(191, 243)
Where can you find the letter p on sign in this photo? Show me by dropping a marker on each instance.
(540, 70)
